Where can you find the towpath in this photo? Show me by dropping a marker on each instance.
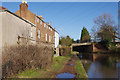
(69, 67)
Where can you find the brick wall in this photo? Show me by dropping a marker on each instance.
(25, 13)
(41, 30)
(45, 31)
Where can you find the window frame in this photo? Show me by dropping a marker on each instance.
(38, 34)
(40, 22)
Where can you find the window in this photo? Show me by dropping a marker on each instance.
(38, 34)
(44, 24)
(42, 35)
(46, 37)
(37, 20)
(40, 22)
(49, 38)
(53, 38)
(31, 33)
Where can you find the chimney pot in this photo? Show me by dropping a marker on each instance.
(24, 6)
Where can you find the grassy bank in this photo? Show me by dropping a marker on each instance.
(57, 65)
(80, 70)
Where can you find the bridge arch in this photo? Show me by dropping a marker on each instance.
(82, 47)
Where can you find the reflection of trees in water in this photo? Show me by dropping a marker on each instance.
(109, 61)
(107, 71)
(87, 56)
(86, 64)
(104, 66)
(105, 60)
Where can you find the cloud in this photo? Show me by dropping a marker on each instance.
(60, 29)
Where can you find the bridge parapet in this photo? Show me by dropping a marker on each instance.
(81, 44)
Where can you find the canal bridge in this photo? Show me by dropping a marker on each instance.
(90, 47)
(82, 47)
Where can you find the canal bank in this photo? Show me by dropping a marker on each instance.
(60, 68)
(74, 68)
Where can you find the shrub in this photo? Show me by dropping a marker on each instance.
(65, 51)
(105, 43)
(111, 46)
(17, 59)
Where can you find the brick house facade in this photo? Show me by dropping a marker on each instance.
(44, 31)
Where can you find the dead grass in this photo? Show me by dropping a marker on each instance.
(56, 66)
(18, 59)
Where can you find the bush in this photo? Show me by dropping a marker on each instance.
(66, 41)
(105, 43)
(17, 59)
(65, 51)
(111, 46)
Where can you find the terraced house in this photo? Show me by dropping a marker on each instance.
(44, 31)
(27, 28)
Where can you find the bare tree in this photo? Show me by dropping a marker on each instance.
(105, 26)
(94, 33)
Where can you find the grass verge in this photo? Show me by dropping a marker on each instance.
(56, 66)
(58, 63)
(80, 70)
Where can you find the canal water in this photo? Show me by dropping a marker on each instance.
(101, 65)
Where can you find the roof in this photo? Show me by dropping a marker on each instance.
(47, 24)
(2, 9)
(17, 16)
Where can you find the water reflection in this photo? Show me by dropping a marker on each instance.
(65, 75)
(100, 65)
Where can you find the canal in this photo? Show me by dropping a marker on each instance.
(101, 65)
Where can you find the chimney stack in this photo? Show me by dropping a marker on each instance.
(23, 8)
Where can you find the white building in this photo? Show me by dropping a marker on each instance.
(16, 30)
(56, 43)
(56, 39)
